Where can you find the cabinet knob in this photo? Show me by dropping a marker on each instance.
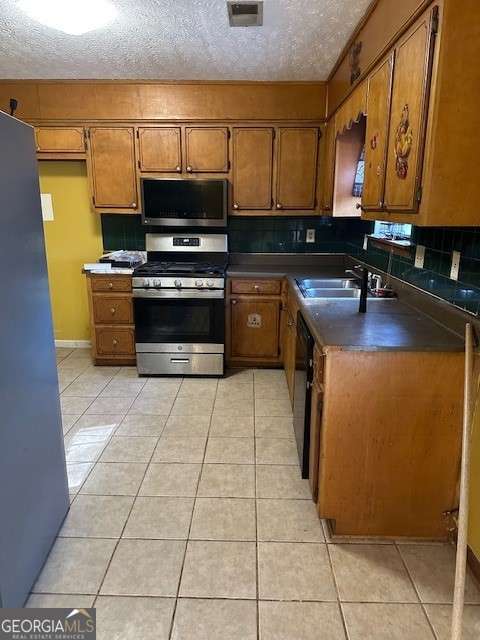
(178, 168)
(110, 285)
(235, 205)
(234, 302)
(256, 287)
(189, 168)
(134, 204)
(115, 342)
(112, 310)
(278, 205)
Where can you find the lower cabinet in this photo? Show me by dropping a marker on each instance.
(111, 319)
(254, 322)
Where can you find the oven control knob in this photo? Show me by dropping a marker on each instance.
(157, 283)
(146, 282)
(199, 283)
(210, 283)
(178, 283)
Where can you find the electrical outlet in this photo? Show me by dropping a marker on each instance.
(455, 265)
(419, 256)
(310, 237)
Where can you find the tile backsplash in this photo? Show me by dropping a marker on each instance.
(252, 235)
(439, 243)
(341, 235)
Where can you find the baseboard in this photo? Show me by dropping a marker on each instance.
(73, 344)
(474, 564)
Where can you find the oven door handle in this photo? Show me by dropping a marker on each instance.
(179, 360)
(175, 294)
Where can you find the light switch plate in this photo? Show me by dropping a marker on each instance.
(419, 256)
(310, 237)
(455, 265)
(47, 206)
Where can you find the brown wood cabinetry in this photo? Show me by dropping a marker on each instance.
(60, 141)
(206, 149)
(297, 150)
(159, 149)
(389, 443)
(316, 419)
(408, 113)
(112, 168)
(252, 168)
(254, 322)
(328, 170)
(376, 135)
(111, 318)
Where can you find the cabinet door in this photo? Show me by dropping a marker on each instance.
(159, 149)
(378, 113)
(297, 151)
(255, 328)
(329, 166)
(410, 93)
(112, 167)
(252, 168)
(206, 149)
(60, 139)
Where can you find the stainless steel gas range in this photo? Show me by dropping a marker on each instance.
(179, 305)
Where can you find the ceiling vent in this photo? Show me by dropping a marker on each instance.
(245, 13)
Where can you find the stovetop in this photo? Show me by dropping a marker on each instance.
(152, 268)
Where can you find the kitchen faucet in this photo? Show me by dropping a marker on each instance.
(363, 277)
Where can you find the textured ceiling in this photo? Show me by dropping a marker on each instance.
(183, 40)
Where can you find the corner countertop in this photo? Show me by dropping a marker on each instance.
(388, 325)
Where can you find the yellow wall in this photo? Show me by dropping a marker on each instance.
(72, 238)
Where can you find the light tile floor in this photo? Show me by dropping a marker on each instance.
(189, 520)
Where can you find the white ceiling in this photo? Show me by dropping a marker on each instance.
(183, 40)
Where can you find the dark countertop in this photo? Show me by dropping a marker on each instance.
(387, 325)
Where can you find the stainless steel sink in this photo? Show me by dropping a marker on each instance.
(327, 283)
(330, 293)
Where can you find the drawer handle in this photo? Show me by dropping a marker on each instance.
(112, 310)
(115, 342)
(110, 285)
(179, 360)
(256, 287)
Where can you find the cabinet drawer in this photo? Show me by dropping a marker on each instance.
(257, 287)
(112, 341)
(112, 309)
(111, 283)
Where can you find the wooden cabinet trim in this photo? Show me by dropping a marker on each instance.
(127, 164)
(192, 163)
(290, 177)
(376, 135)
(255, 286)
(415, 169)
(256, 191)
(60, 140)
(148, 164)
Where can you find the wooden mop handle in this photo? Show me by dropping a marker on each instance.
(461, 560)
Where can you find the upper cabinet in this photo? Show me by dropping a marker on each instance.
(252, 168)
(159, 149)
(408, 113)
(297, 150)
(206, 149)
(60, 141)
(378, 114)
(112, 168)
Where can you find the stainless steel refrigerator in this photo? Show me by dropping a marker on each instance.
(33, 480)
